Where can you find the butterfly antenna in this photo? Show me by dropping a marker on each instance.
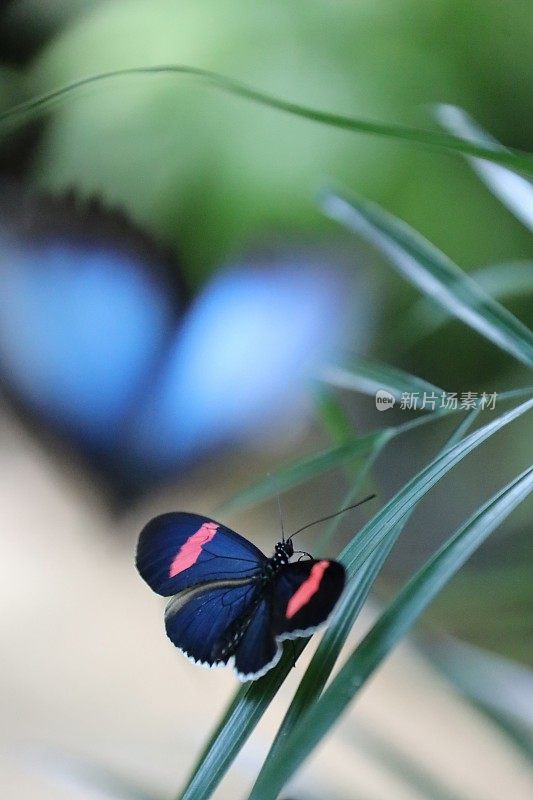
(279, 508)
(280, 516)
(331, 516)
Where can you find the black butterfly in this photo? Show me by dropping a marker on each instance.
(231, 604)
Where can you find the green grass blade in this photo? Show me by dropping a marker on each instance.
(433, 273)
(324, 548)
(507, 279)
(341, 430)
(510, 279)
(461, 429)
(367, 376)
(333, 416)
(379, 527)
(514, 191)
(331, 645)
(393, 624)
(245, 711)
(516, 159)
(252, 700)
(369, 445)
(336, 634)
(307, 468)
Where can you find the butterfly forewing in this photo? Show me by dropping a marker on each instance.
(305, 594)
(179, 550)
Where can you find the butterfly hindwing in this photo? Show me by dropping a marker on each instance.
(180, 550)
(201, 621)
(258, 650)
(305, 594)
(225, 621)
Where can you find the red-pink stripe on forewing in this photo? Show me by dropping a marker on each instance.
(190, 551)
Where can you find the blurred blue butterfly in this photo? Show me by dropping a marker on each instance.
(99, 341)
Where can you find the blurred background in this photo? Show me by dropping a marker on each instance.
(169, 291)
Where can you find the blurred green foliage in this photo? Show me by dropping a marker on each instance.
(208, 172)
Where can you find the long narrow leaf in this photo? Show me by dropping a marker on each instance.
(433, 273)
(330, 646)
(387, 632)
(461, 429)
(368, 376)
(513, 190)
(307, 468)
(375, 531)
(510, 279)
(516, 159)
(323, 548)
(244, 712)
(333, 416)
(251, 701)
(369, 445)
(335, 636)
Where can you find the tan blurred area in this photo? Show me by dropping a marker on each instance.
(87, 672)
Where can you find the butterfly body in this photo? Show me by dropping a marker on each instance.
(231, 604)
(227, 645)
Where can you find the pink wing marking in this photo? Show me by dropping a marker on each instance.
(189, 552)
(307, 589)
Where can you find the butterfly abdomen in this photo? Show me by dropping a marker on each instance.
(227, 645)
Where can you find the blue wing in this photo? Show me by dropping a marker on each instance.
(201, 620)
(258, 650)
(211, 624)
(180, 550)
